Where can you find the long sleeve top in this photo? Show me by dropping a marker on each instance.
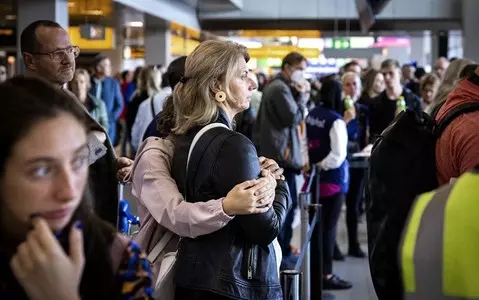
(159, 196)
(339, 144)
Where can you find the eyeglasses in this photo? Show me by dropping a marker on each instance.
(59, 55)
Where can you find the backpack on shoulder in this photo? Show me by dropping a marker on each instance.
(402, 166)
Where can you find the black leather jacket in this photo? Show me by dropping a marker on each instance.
(237, 261)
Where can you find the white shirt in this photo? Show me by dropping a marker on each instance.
(145, 116)
(338, 135)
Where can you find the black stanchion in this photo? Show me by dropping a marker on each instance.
(316, 254)
(291, 284)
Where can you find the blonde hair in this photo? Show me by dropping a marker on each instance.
(212, 65)
(84, 73)
(146, 81)
(449, 81)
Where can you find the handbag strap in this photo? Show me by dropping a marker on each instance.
(155, 253)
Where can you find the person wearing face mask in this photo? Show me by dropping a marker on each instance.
(277, 133)
(80, 86)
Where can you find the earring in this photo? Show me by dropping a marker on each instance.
(220, 96)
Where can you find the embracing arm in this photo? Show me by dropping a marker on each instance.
(236, 162)
(157, 190)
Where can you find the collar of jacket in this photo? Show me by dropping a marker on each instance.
(223, 118)
(98, 80)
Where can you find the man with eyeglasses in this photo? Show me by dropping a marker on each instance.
(48, 53)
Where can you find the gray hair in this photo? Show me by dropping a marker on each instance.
(449, 81)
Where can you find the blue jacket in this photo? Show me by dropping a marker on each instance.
(111, 95)
(318, 125)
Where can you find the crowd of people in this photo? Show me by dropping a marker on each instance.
(215, 151)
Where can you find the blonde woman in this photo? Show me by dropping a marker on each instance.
(150, 108)
(447, 84)
(239, 260)
(80, 85)
(149, 82)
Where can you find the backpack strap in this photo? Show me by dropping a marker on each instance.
(194, 157)
(155, 252)
(198, 136)
(456, 112)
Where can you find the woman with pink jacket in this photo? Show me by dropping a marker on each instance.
(162, 207)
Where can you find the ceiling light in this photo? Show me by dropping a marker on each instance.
(135, 24)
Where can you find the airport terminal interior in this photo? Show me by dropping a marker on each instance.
(239, 149)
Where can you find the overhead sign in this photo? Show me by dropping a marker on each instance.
(92, 32)
(108, 41)
(341, 43)
(282, 51)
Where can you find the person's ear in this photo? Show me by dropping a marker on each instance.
(29, 61)
(217, 86)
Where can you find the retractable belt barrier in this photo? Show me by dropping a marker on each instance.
(296, 283)
(125, 218)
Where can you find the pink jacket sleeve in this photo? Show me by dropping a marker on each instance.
(158, 193)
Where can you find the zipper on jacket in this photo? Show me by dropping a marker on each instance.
(250, 263)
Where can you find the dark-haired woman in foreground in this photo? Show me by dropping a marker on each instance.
(51, 245)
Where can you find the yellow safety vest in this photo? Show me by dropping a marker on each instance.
(439, 251)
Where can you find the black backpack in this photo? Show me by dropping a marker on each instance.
(402, 166)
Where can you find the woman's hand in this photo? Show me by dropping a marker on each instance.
(250, 197)
(349, 115)
(271, 166)
(43, 269)
(124, 167)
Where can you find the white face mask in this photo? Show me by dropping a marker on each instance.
(298, 77)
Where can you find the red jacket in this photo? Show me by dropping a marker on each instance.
(457, 150)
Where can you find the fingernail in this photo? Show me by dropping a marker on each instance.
(79, 225)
